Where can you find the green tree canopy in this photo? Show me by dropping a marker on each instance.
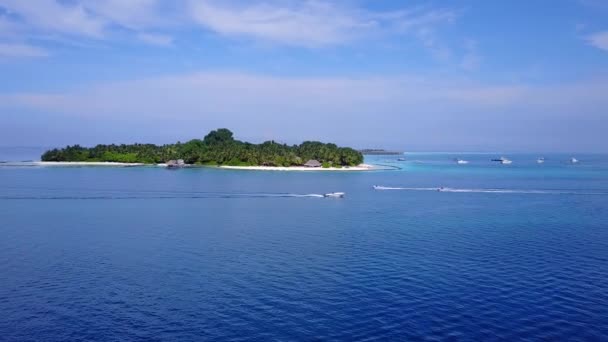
(217, 148)
(220, 136)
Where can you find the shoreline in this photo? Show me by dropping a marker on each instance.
(360, 167)
(51, 163)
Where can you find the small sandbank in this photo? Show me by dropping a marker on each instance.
(360, 167)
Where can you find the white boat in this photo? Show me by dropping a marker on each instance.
(540, 160)
(461, 161)
(335, 195)
(573, 160)
(503, 160)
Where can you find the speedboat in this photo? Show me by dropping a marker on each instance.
(573, 160)
(540, 160)
(400, 159)
(335, 194)
(461, 161)
(503, 160)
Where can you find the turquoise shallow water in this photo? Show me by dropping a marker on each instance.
(95, 253)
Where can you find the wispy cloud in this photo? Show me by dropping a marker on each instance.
(599, 40)
(51, 15)
(308, 23)
(412, 19)
(12, 50)
(84, 19)
(135, 15)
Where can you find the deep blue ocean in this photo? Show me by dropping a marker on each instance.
(509, 252)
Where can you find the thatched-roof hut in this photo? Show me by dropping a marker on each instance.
(313, 163)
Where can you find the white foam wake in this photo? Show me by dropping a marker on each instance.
(299, 195)
(379, 187)
(497, 191)
(148, 196)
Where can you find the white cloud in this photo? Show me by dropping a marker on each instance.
(599, 40)
(132, 14)
(51, 15)
(12, 50)
(407, 20)
(309, 23)
(89, 19)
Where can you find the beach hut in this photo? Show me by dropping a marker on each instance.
(313, 163)
(174, 164)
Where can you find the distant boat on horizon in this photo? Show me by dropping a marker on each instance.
(573, 160)
(461, 161)
(503, 160)
(540, 160)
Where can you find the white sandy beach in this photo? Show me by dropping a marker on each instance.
(48, 163)
(360, 167)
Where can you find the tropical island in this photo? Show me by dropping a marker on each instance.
(218, 148)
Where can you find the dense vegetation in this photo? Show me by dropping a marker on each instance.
(217, 148)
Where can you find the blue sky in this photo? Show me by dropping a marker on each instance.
(414, 75)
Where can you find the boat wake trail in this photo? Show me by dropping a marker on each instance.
(287, 195)
(497, 191)
(143, 196)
